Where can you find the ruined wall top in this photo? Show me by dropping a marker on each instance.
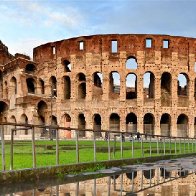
(129, 43)
(5, 56)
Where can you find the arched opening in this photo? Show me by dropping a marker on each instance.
(149, 174)
(149, 124)
(1, 84)
(131, 123)
(67, 66)
(42, 108)
(6, 90)
(97, 125)
(12, 120)
(67, 87)
(67, 123)
(53, 86)
(13, 86)
(114, 122)
(81, 78)
(183, 84)
(30, 68)
(164, 173)
(42, 131)
(166, 89)
(53, 123)
(131, 63)
(31, 85)
(81, 125)
(24, 120)
(149, 85)
(3, 111)
(165, 124)
(114, 85)
(182, 125)
(41, 83)
(97, 85)
(131, 86)
(131, 175)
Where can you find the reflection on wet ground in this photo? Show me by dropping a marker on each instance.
(172, 177)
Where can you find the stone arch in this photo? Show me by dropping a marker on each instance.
(42, 108)
(67, 66)
(149, 85)
(13, 86)
(114, 122)
(67, 123)
(81, 124)
(131, 63)
(42, 86)
(131, 86)
(53, 86)
(30, 68)
(114, 85)
(149, 174)
(182, 125)
(166, 81)
(3, 111)
(67, 87)
(183, 84)
(165, 124)
(24, 120)
(131, 123)
(97, 124)
(12, 120)
(31, 85)
(149, 123)
(97, 85)
(81, 79)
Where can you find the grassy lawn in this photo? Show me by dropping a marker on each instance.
(46, 151)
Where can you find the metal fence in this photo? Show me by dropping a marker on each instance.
(45, 146)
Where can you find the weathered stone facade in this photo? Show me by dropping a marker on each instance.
(81, 72)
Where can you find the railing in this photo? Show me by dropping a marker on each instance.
(38, 150)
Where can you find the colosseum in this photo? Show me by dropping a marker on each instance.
(123, 82)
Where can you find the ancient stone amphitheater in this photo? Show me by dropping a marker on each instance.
(126, 82)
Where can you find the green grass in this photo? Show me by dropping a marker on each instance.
(46, 151)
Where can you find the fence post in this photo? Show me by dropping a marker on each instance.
(132, 147)
(114, 147)
(164, 145)
(142, 147)
(150, 147)
(3, 147)
(57, 146)
(184, 146)
(94, 145)
(157, 145)
(109, 152)
(170, 144)
(175, 146)
(33, 147)
(11, 151)
(180, 146)
(77, 147)
(121, 145)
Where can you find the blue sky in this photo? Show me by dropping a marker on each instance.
(26, 24)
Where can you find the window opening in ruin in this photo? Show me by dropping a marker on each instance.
(81, 125)
(131, 63)
(182, 126)
(166, 89)
(67, 87)
(81, 45)
(53, 50)
(24, 120)
(42, 108)
(148, 43)
(165, 43)
(30, 85)
(53, 85)
(165, 124)
(131, 123)
(81, 86)
(42, 86)
(6, 90)
(97, 87)
(114, 46)
(114, 85)
(30, 68)
(13, 86)
(3, 110)
(131, 175)
(182, 85)
(81, 77)
(149, 123)
(67, 66)
(149, 174)
(149, 85)
(131, 86)
(114, 122)
(97, 125)
(1, 84)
